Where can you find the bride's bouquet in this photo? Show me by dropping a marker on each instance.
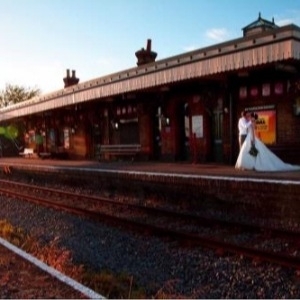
(253, 150)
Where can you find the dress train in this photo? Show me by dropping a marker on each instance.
(265, 161)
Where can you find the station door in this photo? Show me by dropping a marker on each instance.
(217, 136)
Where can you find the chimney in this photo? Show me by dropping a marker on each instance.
(69, 81)
(145, 56)
(148, 45)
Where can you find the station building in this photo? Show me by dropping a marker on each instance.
(183, 108)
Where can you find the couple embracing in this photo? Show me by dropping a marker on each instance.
(254, 154)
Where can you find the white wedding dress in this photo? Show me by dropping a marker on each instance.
(265, 161)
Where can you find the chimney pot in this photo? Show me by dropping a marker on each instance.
(69, 81)
(145, 56)
(148, 45)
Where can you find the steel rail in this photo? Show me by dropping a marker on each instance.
(187, 238)
(204, 221)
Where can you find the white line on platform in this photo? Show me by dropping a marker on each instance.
(53, 272)
(174, 175)
(214, 177)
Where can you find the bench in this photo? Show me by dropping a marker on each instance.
(58, 152)
(120, 150)
(27, 152)
(44, 155)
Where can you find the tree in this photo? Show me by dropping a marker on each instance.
(13, 94)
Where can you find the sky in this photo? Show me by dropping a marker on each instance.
(41, 39)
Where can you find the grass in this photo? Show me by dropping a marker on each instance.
(106, 283)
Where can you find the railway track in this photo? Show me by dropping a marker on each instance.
(248, 240)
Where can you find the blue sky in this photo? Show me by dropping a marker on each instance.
(40, 39)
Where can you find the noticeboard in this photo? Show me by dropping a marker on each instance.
(197, 125)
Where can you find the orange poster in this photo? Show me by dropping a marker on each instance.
(266, 126)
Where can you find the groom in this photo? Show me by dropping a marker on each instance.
(243, 125)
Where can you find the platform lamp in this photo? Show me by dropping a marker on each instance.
(114, 124)
(167, 120)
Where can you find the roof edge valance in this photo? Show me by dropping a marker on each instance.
(283, 45)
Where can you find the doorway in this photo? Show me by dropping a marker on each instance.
(184, 132)
(217, 124)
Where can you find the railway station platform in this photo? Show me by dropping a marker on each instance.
(178, 168)
(217, 170)
(270, 193)
(216, 178)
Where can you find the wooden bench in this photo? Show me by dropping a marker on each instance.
(59, 152)
(44, 155)
(120, 150)
(27, 152)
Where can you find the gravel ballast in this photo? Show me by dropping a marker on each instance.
(154, 263)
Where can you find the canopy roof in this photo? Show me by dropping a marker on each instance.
(277, 45)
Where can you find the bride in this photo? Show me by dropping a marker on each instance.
(255, 155)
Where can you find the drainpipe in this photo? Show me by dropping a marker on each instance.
(231, 128)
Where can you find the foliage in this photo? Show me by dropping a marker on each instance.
(115, 286)
(169, 291)
(13, 94)
(14, 235)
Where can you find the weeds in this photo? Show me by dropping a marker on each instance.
(106, 283)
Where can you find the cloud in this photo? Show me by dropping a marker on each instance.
(293, 17)
(189, 48)
(213, 35)
(283, 22)
(217, 34)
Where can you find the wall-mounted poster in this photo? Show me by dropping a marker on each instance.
(266, 89)
(243, 92)
(197, 126)
(66, 138)
(278, 89)
(254, 91)
(266, 126)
